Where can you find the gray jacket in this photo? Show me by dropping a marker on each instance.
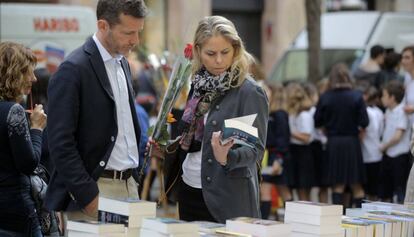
(233, 190)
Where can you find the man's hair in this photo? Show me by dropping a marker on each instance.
(110, 10)
(392, 60)
(396, 89)
(376, 51)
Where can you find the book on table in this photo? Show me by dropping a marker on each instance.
(314, 208)
(208, 226)
(94, 227)
(299, 234)
(127, 206)
(169, 225)
(74, 233)
(240, 130)
(297, 217)
(134, 221)
(258, 227)
(152, 233)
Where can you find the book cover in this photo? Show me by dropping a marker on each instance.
(169, 225)
(314, 208)
(134, 221)
(94, 227)
(208, 226)
(258, 227)
(241, 130)
(127, 206)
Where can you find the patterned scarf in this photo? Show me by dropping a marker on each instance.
(206, 89)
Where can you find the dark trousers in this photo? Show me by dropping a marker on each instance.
(394, 175)
(191, 204)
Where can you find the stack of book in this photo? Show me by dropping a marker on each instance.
(127, 211)
(258, 227)
(386, 220)
(311, 219)
(167, 227)
(83, 228)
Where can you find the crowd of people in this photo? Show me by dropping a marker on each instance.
(336, 134)
(349, 133)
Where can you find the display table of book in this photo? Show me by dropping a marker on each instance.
(132, 217)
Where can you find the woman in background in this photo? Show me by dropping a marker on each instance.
(20, 143)
(341, 111)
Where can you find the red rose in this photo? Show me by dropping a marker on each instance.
(188, 51)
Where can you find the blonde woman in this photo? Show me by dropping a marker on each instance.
(20, 143)
(217, 182)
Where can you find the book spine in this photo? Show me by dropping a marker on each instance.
(109, 217)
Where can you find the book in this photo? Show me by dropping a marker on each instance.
(299, 234)
(74, 233)
(363, 226)
(169, 225)
(383, 206)
(241, 130)
(224, 233)
(132, 232)
(127, 206)
(314, 208)
(316, 229)
(151, 233)
(258, 227)
(95, 227)
(312, 219)
(134, 221)
(208, 226)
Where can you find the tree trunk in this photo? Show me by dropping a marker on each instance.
(313, 26)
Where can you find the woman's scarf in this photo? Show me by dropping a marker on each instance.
(206, 89)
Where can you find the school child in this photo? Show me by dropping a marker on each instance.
(395, 144)
(277, 145)
(301, 128)
(371, 142)
(318, 146)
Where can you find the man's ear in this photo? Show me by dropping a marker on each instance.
(103, 25)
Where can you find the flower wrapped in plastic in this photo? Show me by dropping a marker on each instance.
(180, 73)
(179, 76)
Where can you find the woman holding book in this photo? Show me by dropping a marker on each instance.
(20, 143)
(216, 182)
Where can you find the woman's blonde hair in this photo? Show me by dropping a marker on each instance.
(219, 26)
(15, 62)
(297, 99)
(277, 98)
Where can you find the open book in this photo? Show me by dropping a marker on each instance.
(241, 130)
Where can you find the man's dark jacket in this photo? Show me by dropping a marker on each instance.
(82, 126)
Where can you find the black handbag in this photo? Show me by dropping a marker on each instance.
(49, 222)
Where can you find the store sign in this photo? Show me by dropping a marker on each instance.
(56, 24)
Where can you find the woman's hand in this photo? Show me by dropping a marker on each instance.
(154, 149)
(220, 151)
(38, 118)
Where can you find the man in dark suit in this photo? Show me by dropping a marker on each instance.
(92, 124)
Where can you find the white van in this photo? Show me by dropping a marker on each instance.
(52, 31)
(346, 37)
